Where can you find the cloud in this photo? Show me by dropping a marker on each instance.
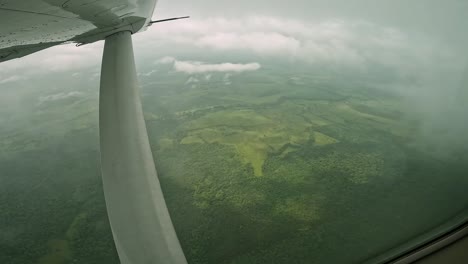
(192, 80)
(192, 67)
(199, 67)
(148, 73)
(95, 75)
(354, 43)
(13, 78)
(331, 41)
(58, 59)
(358, 44)
(258, 42)
(165, 60)
(227, 79)
(59, 96)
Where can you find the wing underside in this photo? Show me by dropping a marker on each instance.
(28, 26)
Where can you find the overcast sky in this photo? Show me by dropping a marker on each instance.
(420, 40)
(403, 35)
(431, 16)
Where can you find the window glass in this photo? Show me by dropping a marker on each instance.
(308, 132)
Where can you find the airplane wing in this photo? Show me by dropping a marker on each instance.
(28, 26)
(138, 215)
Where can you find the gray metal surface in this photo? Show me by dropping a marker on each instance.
(141, 225)
(27, 26)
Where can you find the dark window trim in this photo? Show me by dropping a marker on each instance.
(432, 246)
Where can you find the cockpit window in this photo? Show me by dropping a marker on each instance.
(308, 132)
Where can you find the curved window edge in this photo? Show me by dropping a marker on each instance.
(427, 243)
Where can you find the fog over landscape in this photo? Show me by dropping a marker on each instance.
(418, 45)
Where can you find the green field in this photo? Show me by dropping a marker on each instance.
(273, 167)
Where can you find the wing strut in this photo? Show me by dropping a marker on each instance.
(141, 225)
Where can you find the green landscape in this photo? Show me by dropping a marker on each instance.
(278, 165)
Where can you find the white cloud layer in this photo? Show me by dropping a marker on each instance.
(333, 41)
(59, 96)
(258, 42)
(165, 60)
(13, 78)
(55, 60)
(353, 43)
(192, 80)
(192, 67)
(146, 74)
